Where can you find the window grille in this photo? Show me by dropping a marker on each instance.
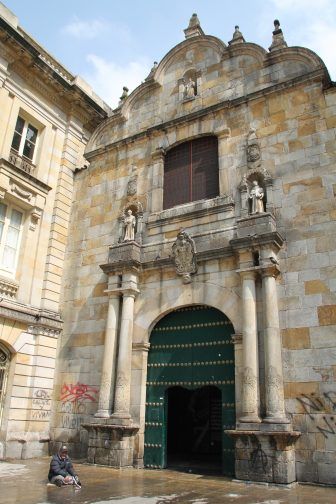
(191, 172)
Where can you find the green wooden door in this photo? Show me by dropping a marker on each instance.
(190, 348)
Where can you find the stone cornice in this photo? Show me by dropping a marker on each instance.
(249, 242)
(44, 64)
(30, 316)
(199, 114)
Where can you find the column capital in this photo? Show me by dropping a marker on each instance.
(130, 292)
(248, 274)
(270, 270)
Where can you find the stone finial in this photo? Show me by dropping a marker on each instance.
(278, 41)
(152, 70)
(237, 37)
(194, 29)
(123, 95)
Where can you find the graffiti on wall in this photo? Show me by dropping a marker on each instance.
(321, 409)
(41, 404)
(73, 403)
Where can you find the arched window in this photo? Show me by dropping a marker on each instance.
(4, 367)
(191, 172)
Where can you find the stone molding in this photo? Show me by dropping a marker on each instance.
(11, 309)
(8, 287)
(40, 330)
(192, 210)
(193, 116)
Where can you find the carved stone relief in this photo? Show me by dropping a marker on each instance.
(253, 153)
(184, 254)
(249, 390)
(274, 389)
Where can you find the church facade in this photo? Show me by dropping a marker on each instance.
(197, 289)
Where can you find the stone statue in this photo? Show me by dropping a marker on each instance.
(129, 226)
(190, 89)
(256, 196)
(123, 95)
(184, 255)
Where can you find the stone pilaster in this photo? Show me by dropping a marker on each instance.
(275, 404)
(250, 381)
(106, 383)
(121, 414)
(157, 180)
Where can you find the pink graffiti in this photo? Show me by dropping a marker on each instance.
(78, 392)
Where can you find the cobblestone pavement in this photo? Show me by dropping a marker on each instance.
(25, 482)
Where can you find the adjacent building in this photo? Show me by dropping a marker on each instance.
(46, 118)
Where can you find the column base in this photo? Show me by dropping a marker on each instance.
(265, 456)
(250, 419)
(102, 414)
(121, 418)
(111, 445)
(276, 420)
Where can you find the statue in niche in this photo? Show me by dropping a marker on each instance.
(129, 226)
(189, 89)
(184, 254)
(256, 196)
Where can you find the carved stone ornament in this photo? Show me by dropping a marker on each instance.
(184, 254)
(132, 183)
(253, 149)
(274, 389)
(249, 389)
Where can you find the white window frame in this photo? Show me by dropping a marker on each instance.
(27, 122)
(9, 209)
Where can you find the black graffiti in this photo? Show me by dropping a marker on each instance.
(41, 415)
(41, 394)
(315, 405)
(71, 421)
(258, 459)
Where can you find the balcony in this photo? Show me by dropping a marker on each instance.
(21, 162)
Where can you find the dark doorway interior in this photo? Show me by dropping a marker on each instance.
(194, 437)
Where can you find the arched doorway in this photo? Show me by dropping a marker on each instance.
(190, 398)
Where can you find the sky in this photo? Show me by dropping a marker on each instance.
(112, 43)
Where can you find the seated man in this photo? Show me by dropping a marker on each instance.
(61, 470)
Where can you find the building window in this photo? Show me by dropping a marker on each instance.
(4, 367)
(10, 233)
(24, 139)
(191, 172)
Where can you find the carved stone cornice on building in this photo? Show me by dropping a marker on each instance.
(40, 330)
(8, 287)
(14, 310)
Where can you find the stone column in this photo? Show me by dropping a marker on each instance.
(106, 382)
(275, 404)
(250, 399)
(121, 414)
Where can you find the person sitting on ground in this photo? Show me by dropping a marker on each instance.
(61, 470)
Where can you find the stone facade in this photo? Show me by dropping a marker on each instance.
(262, 252)
(63, 111)
(270, 272)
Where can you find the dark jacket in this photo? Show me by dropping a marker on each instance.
(60, 467)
